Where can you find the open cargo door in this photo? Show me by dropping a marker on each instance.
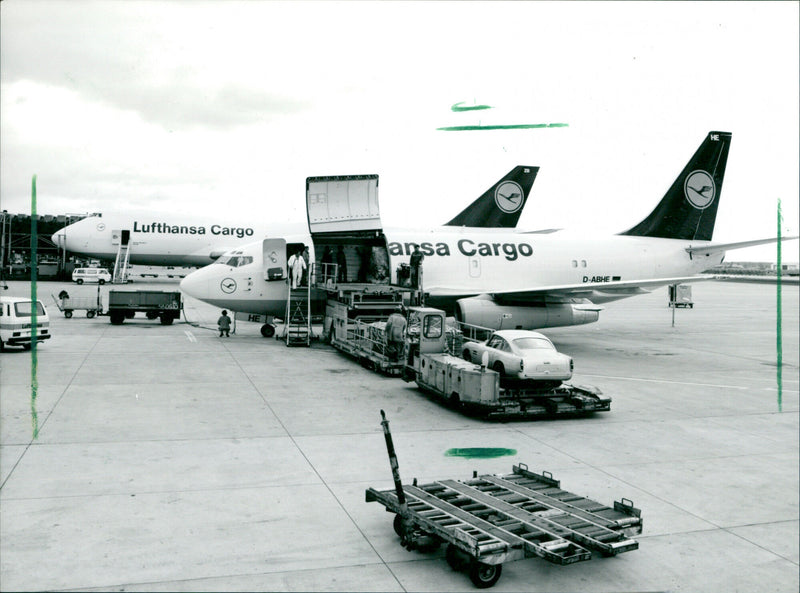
(343, 205)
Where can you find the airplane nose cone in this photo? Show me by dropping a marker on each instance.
(59, 238)
(195, 285)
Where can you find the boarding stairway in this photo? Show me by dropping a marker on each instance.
(298, 315)
(121, 264)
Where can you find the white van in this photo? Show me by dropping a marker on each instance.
(15, 322)
(99, 275)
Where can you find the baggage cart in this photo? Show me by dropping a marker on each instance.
(67, 304)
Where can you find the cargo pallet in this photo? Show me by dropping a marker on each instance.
(492, 519)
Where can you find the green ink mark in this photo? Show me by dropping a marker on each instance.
(779, 343)
(480, 452)
(501, 127)
(34, 312)
(458, 107)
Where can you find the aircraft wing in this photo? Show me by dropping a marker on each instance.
(584, 290)
(712, 248)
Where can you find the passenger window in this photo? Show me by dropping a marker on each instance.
(583, 263)
(433, 326)
(574, 263)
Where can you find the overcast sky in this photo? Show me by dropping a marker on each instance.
(224, 108)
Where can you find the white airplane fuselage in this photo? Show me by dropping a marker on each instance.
(167, 240)
(469, 262)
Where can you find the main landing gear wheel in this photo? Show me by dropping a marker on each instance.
(483, 575)
(267, 330)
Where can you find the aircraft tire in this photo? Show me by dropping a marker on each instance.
(166, 320)
(267, 330)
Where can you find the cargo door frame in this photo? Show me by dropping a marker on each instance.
(344, 210)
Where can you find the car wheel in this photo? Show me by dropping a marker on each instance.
(499, 368)
(467, 355)
(101, 281)
(79, 281)
(267, 330)
(166, 320)
(89, 314)
(67, 314)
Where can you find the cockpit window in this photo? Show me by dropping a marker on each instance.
(235, 261)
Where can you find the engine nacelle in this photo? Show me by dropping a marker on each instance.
(486, 312)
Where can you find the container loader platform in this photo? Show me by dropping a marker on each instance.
(489, 520)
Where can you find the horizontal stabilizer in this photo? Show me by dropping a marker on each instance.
(712, 248)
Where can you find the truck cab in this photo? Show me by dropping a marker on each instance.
(16, 322)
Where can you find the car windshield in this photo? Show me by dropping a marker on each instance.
(24, 309)
(533, 344)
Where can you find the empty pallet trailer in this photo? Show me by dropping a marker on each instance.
(492, 519)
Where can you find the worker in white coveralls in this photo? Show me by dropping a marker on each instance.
(296, 265)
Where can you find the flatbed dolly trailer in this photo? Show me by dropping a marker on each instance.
(478, 390)
(489, 520)
(155, 304)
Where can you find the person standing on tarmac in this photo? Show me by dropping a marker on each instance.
(416, 267)
(224, 324)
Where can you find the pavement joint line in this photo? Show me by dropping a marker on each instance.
(322, 480)
(52, 409)
(121, 586)
(655, 496)
(667, 381)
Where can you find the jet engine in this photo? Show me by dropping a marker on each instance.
(486, 312)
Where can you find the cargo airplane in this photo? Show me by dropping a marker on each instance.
(181, 240)
(508, 279)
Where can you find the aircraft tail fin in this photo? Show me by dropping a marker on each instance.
(501, 205)
(689, 208)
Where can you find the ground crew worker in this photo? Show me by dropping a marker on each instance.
(224, 324)
(395, 334)
(416, 267)
(341, 261)
(296, 265)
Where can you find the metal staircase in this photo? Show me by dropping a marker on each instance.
(121, 264)
(298, 315)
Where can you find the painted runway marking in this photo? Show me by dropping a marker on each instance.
(190, 336)
(670, 382)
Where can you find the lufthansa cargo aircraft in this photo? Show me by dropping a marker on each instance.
(180, 240)
(507, 279)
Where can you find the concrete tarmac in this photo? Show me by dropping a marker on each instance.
(171, 459)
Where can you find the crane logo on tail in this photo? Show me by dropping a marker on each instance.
(699, 189)
(508, 197)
